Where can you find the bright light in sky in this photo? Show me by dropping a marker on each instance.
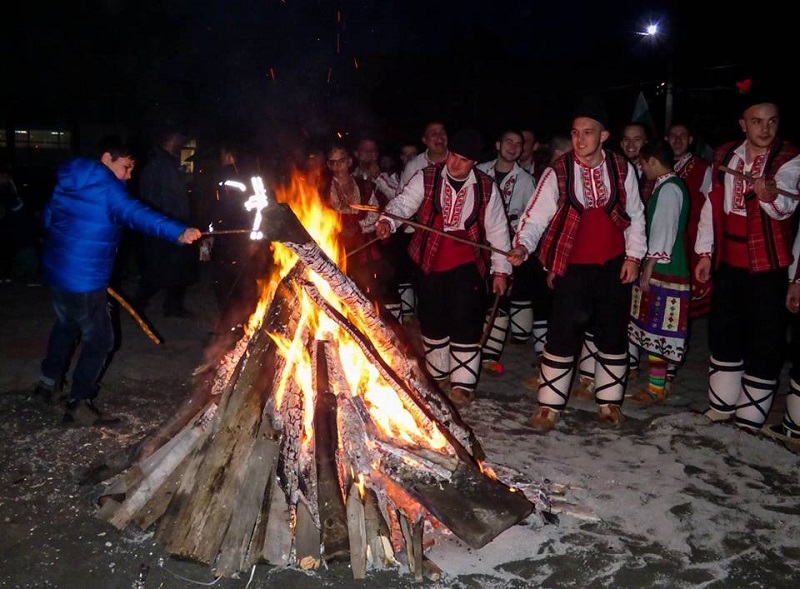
(651, 30)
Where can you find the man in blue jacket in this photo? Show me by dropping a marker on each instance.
(84, 220)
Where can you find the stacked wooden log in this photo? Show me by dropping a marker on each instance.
(273, 471)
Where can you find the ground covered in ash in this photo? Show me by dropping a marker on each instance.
(665, 501)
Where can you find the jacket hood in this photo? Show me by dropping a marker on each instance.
(80, 173)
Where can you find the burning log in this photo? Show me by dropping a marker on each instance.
(323, 439)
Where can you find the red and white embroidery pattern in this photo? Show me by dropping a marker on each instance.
(594, 188)
(453, 207)
(742, 187)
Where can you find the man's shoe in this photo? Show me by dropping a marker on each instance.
(461, 397)
(544, 419)
(84, 412)
(532, 383)
(610, 414)
(43, 394)
(584, 388)
(492, 367)
(715, 416)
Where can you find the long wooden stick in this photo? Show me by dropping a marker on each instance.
(125, 305)
(748, 178)
(363, 246)
(224, 232)
(426, 228)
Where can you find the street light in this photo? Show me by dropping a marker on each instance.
(653, 31)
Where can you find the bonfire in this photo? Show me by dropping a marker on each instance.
(320, 436)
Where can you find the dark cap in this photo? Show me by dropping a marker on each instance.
(467, 143)
(753, 96)
(592, 107)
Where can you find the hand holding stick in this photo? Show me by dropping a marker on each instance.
(748, 178)
(374, 209)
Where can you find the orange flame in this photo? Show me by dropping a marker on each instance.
(364, 379)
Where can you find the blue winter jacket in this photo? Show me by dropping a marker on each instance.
(84, 220)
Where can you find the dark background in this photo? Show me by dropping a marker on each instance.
(277, 73)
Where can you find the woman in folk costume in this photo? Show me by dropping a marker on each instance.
(340, 191)
(747, 225)
(660, 301)
(586, 223)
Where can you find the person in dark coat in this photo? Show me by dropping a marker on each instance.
(166, 266)
(83, 222)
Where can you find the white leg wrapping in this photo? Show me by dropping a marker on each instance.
(724, 384)
(791, 420)
(465, 363)
(634, 352)
(555, 375)
(521, 320)
(539, 336)
(496, 341)
(610, 377)
(755, 401)
(394, 310)
(437, 357)
(586, 366)
(408, 299)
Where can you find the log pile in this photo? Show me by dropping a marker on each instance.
(293, 460)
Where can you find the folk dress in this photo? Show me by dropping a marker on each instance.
(660, 317)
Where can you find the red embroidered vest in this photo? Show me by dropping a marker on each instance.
(555, 251)
(769, 241)
(425, 245)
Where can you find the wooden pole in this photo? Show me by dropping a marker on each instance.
(142, 323)
(748, 178)
(363, 246)
(426, 228)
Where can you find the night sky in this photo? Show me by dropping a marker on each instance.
(270, 71)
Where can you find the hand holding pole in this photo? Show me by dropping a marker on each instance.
(416, 225)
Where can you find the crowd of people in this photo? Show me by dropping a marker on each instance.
(597, 258)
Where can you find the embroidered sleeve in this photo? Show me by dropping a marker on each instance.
(664, 226)
(786, 179)
(704, 243)
(497, 233)
(635, 234)
(407, 201)
(538, 212)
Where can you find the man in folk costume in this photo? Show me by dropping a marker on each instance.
(692, 170)
(660, 306)
(588, 222)
(747, 227)
(515, 311)
(434, 138)
(633, 136)
(788, 430)
(457, 199)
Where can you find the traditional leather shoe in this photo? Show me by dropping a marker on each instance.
(647, 397)
(492, 367)
(544, 419)
(610, 414)
(532, 383)
(461, 397)
(584, 388)
(715, 416)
